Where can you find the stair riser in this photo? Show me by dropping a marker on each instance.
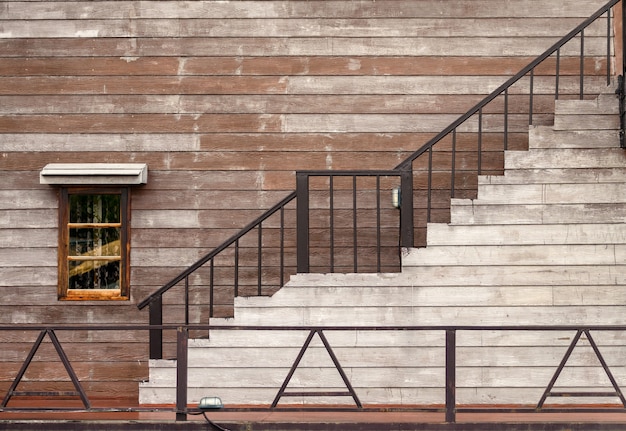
(574, 234)
(565, 158)
(544, 137)
(556, 176)
(611, 193)
(486, 214)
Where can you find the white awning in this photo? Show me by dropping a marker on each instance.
(94, 174)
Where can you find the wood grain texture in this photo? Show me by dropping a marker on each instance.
(225, 101)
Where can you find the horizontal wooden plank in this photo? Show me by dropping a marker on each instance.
(269, 104)
(442, 26)
(537, 214)
(441, 234)
(12, 277)
(74, 311)
(26, 176)
(29, 218)
(140, 123)
(122, 389)
(17, 238)
(262, 123)
(292, 85)
(294, 46)
(516, 255)
(33, 199)
(375, 357)
(194, 199)
(351, 65)
(51, 369)
(278, 9)
(199, 161)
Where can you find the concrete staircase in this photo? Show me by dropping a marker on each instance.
(544, 244)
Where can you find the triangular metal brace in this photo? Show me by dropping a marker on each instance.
(66, 363)
(350, 392)
(548, 392)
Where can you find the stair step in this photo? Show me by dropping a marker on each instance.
(532, 234)
(473, 255)
(433, 316)
(457, 276)
(586, 122)
(466, 211)
(565, 158)
(556, 176)
(440, 296)
(525, 194)
(547, 137)
(604, 104)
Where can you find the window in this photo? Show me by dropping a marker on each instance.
(94, 243)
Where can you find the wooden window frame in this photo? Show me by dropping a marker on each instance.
(64, 293)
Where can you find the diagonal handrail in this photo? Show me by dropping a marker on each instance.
(301, 195)
(229, 242)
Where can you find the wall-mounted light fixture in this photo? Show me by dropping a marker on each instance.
(396, 197)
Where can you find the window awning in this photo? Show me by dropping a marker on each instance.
(94, 174)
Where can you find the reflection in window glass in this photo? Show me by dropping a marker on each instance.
(94, 274)
(94, 243)
(95, 208)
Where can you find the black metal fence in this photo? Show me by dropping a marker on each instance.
(448, 406)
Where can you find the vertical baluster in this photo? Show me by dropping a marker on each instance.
(211, 288)
(282, 246)
(453, 167)
(582, 64)
(187, 300)
(532, 93)
(608, 47)
(480, 140)
(378, 245)
(259, 278)
(354, 218)
(331, 205)
(558, 74)
(236, 267)
(429, 198)
(506, 119)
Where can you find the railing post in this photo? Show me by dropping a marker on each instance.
(406, 208)
(182, 339)
(155, 317)
(620, 88)
(302, 222)
(450, 375)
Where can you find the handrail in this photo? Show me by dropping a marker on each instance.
(230, 241)
(301, 193)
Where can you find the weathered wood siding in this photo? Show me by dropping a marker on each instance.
(225, 101)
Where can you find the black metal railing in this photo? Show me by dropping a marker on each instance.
(250, 263)
(360, 230)
(613, 399)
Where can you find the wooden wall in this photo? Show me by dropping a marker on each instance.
(225, 101)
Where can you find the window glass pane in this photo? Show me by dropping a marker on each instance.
(95, 208)
(95, 242)
(94, 274)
